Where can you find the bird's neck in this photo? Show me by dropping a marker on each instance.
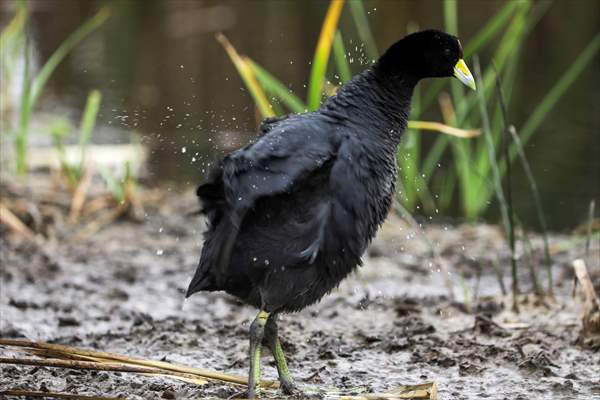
(375, 102)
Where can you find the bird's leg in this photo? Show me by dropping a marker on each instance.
(257, 329)
(272, 342)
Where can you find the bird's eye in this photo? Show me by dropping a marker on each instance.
(447, 52)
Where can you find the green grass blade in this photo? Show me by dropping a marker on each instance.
(491, 28)
(451, 17)
(408, 159)
(276, 88)
(113, 185)
(530, 178)
(88, 121)
(22, 137)
(361, 21)
(509, 44)
(12, 40)
(60, 129)
(15, 27)
(520, 27)
(413, 142)
(461, 149)
(247, 74)
(509, 201)
(321, 58)
(505, 205)
(478, 190)
(490, 145)
(435, 154)
(59, 54)
(341, 61)
(537, 201)
(407, 172)
(464, 105)
(446, 187)
(408, 156)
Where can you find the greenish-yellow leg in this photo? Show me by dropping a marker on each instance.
(257, 330)
(272, 341)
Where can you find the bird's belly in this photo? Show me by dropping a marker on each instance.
(290, 289)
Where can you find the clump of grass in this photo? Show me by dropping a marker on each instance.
(124, 190)
(121, 189)
(61, 129)
(13, 40)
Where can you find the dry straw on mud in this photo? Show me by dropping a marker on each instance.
(57, 355)
(60, 356)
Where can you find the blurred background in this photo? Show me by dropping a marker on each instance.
(168, 84)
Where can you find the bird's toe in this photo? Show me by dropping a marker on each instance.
(288, 387)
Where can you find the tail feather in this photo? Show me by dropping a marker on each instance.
(201, 281)
(213, 268)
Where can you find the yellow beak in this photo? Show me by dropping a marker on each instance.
(461, 71)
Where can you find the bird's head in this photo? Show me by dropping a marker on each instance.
(428, 54)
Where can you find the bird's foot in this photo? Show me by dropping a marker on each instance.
(288, 387)
(253, 392)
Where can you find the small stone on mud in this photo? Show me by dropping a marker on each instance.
(68, 321)
(467, 368)
(485, 325)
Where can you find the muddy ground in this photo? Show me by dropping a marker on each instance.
(393, 322)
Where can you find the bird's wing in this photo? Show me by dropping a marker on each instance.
(283, 157)
(344, 219)
(273, 164)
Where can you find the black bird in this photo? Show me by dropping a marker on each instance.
(290, 215)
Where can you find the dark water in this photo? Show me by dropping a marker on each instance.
(164, 76)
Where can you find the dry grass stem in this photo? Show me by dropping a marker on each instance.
(79, 196)
(425, 391)
(591, 309)
(101, 366)
(61, 352)
(97, 204)
(14, 223)
(448, 130)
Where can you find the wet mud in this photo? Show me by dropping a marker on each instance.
(392, 322)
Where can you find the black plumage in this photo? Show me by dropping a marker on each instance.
(290, 215)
